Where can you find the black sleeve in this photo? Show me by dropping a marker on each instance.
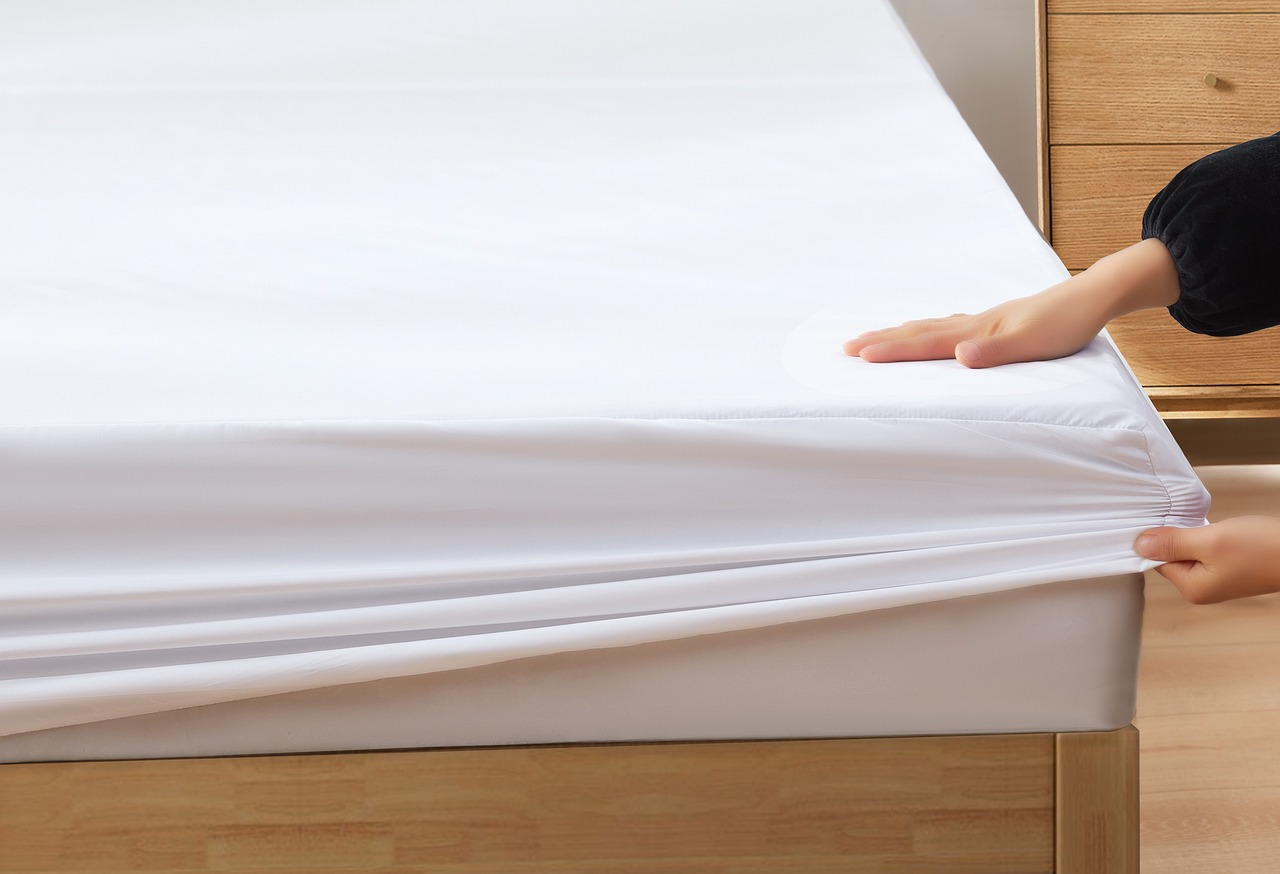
(1220, 219)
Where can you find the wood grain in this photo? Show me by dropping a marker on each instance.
(1128, 108)
(1207, 711)
(1124, 7)
(1163, 353)
(1097, 798)
(1231, 440)
(1138, 78)
(1244, 623)
(1044, 217)
(1195, 831)
(1099, 194)
(962, 804)
(1207, 679)
(1225, 750)
(1225, 403)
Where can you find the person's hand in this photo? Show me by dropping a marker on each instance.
(1037, 328)
(1234, 558)
(1056, 322)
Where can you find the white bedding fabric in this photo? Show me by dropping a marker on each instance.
(351, 341)
(1060, 657)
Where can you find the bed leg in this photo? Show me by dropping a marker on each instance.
(1097, 802)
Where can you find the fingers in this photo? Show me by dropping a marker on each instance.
(973, 340)
(1179, 552)
(993, 351)
(918, 340)
(923, 347)
(1009, 347)
(975, 352)
(1036, 328)
(971, 353)
(1165, 545)
(1184, 555)
(1194, 581)
(1233, 558)
(853, 347)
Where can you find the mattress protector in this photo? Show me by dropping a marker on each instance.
(346, 342)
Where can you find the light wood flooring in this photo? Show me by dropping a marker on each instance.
(1209, 713)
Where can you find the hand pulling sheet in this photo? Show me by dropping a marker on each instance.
(349, 341)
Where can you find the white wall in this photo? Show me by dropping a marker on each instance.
(983, 52)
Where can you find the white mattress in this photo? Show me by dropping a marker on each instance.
(353, 342)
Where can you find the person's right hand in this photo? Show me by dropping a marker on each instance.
(1051, 324)
(1056, 322)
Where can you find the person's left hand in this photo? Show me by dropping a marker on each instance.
(1234, 558)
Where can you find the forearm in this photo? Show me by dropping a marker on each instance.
(1052, 323)
(1139, 277)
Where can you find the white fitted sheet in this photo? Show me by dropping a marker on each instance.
(1058, 657)
(349, 342)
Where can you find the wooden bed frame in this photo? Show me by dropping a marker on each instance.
(1064, 803)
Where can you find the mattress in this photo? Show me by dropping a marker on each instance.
(353, 346)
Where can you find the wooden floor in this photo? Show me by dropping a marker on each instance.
(1209, 714)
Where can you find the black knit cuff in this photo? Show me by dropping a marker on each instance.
(1220, 220)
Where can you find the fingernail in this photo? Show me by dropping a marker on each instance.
(969, 351)
(1145, 544)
